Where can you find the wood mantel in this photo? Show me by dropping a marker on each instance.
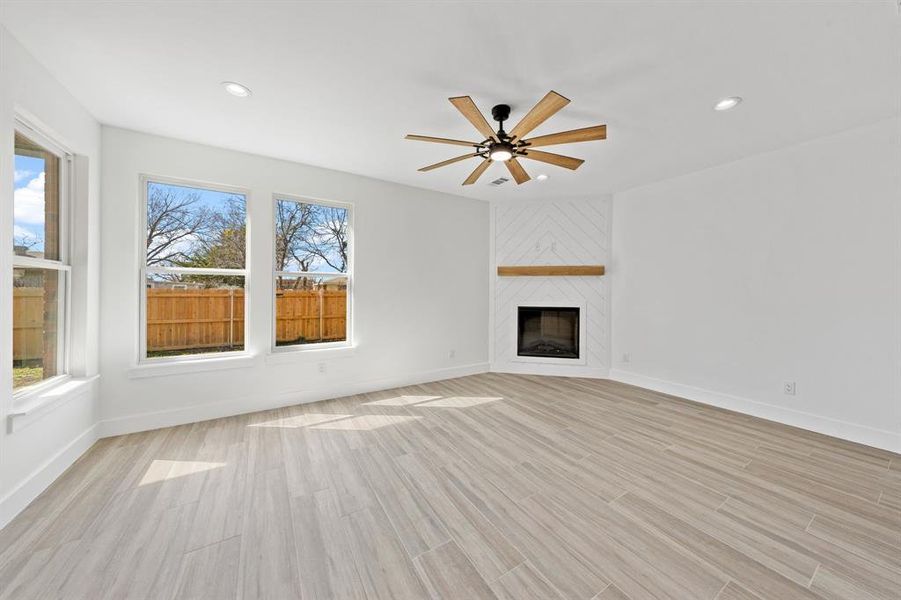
(552, 271)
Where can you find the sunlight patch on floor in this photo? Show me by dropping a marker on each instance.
(460, 401)
(365, 422)
(400, 401)
(299, 421)
(163, 470)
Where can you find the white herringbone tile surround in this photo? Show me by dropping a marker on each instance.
(561, 232)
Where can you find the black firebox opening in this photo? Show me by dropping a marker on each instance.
(550, 332)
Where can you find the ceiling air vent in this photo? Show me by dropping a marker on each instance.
(499, 181)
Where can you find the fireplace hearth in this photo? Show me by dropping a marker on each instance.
(548, 331)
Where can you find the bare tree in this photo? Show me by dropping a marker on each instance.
(24, 244)
(225, 244)
(293, 221)
(293, 226)
(175, 222)
(328, 241)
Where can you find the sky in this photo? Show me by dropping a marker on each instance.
(28, 201)
(210, 198)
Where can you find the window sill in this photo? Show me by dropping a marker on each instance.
(196, 365)
(288, 355)
(28, 408)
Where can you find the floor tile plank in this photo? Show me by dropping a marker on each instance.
(448, 574)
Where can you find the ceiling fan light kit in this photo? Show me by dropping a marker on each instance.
(500, 151)
(500, 146)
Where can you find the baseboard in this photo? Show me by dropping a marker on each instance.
(216, 410)
(852, 432)
(32, 487)
(529, 368)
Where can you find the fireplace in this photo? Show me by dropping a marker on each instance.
(548, 331)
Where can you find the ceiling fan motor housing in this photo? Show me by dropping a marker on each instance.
(500, 112)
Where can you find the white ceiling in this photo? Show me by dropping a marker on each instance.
(339, 84)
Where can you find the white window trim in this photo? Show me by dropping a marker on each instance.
(28, 393)
(45, 398)
(187, 361)
(191, 364)
(297, 349)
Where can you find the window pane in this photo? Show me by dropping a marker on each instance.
(35, 200)
(194, 314)
(37, 311)
(194, 227)
(310, 237)
(310, 310)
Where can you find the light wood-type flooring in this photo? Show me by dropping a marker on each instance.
(490, 486)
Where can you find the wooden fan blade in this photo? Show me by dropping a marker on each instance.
(567, 162)
(428, 138)
(449, 161)
(587, 134)
(478, 172)
(472, 113)
(519, 174)
(541, 112)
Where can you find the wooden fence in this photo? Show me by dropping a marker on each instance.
(196, 319)
(318, 316)
(28, 323)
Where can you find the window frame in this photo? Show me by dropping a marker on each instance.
(143, 270)
(301, 348)
(62, 265)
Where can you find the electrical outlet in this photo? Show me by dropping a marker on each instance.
(789, 388)
(452, 354)
(322, 367)
(627, 358)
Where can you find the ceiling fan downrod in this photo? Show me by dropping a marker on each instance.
(502, 150)
(500, 113)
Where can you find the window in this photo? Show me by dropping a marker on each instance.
(312, 273)
(40, 260)
(194, 269)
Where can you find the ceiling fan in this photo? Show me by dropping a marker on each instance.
(500, 146)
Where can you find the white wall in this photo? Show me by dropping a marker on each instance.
(551, 232)
(780, 267)
(419, 286)
(31, 457)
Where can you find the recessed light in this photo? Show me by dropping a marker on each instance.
(727, 103)
(541, 177)
(236, 89)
